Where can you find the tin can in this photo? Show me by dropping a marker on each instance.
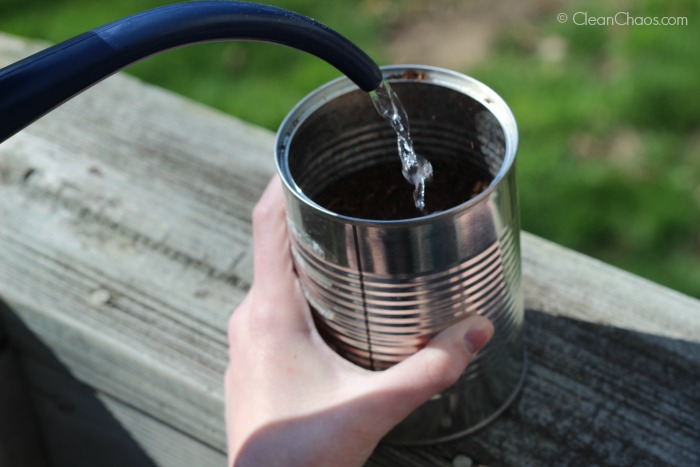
(381, 289)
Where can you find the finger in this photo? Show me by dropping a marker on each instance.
(435, 367)
(271, 256)
(278, 300)
(234, 330)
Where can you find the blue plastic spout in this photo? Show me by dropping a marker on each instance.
(36, 85)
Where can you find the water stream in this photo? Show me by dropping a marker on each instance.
(415, 168)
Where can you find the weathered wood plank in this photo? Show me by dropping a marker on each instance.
(569, 284)
(125, 244)
(176, 208)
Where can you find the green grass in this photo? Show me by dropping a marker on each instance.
(609, 158)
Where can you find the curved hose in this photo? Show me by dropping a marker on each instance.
(36, 85)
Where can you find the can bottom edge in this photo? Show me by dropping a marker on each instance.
(402, 440)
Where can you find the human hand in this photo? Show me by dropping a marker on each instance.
(290, 399)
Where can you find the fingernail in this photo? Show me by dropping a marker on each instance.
(478, 335)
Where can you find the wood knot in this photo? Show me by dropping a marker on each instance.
(29, 173)
(100, 296)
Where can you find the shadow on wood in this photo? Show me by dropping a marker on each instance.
(75, 425)
(594, 394)
(19, 438)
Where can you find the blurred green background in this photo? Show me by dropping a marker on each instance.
(609, 116)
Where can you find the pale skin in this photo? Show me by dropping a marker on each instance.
(290, 399)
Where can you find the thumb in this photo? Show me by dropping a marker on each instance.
(435, 367)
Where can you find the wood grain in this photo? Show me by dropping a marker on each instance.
(125, 245)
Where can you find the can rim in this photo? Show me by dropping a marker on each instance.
(398, 73)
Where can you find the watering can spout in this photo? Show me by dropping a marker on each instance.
(36, 85)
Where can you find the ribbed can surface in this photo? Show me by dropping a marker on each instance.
(381, 289)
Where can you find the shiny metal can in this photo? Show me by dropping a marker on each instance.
(380, 289)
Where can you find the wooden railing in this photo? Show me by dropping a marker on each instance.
(125, 245)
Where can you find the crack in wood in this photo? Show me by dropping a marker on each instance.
(86, 214)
